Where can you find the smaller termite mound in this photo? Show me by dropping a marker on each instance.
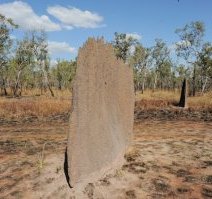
(183, 97)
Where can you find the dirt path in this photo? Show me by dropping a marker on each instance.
(166, 160)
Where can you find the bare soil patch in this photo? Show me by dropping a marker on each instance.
(167, 159)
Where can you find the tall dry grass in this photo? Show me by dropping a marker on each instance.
(162, 98)
(34, 104)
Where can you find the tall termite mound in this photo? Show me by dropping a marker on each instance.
(183, 97)
(101, 121)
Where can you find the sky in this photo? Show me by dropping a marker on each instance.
(68, 23)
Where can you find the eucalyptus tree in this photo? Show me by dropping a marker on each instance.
(23, 59)
(204, 63)
(6, 26)
(161, 61)
(123, 45)
(41, 57)
(190, 45)
(64, 72)
(140, 60)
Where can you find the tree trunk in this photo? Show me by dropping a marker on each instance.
(59, 85)
(155, 82)
(183, 97)
(17, 83)
(4, 87)
(204, 85)
(143, 85)
(143, 82)
(50, 89)
(194, 82)
(46, 81)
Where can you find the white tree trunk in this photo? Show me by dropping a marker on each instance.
(204, 85)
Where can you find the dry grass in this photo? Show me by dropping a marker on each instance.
(34, 104)
(204, 101)
(31, 104)
(158, 95)
(162, 99)
(58, 93)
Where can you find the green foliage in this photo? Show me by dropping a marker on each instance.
(26, 63)
(196, 53)
(64, 73)
(6, 26)
(22, 61)
(140, 60)
(160, 52)
(204, 66)
(162, 64)
(191, 36)
(204, 60)
(122, 45)
(24, 54)
(8, 21)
